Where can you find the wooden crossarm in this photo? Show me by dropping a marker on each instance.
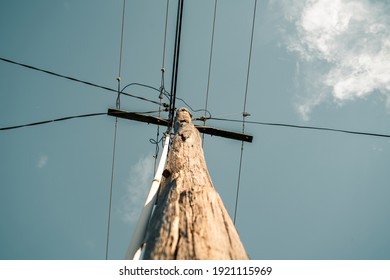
(164, 122)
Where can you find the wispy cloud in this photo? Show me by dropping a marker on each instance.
(348, 43)
(42, 161)
(137, 188)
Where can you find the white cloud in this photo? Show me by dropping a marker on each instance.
(350, 38)
(137, 188)
(42, 161)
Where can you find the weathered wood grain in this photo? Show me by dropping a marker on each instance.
(190, 221)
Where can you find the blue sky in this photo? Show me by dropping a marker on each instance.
(303, 195)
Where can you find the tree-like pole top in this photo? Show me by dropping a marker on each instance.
(183, 115)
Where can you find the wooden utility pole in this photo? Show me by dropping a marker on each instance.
(190, 220)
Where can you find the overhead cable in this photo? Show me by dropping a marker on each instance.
(175, 65)
(244, 113)
(210, 59)
(305, 127)
(118, 100)
(76, 80)
(68, 118)
(111, 186)
(164, 44)
(51, 121)
(161, 90)
(118, 105)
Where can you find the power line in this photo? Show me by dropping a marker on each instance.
(195, 110)
(76, 80)
(175, 64)
(118, 104)
(165, 38)
(118, 100)
(210, 58)
(111, 184)
(68, 118)
(162, 88)
(305, 127)
(120, 56)
(51, 121)
(212, 118)
(249, 62)
(141, 85)
(121, 42)
(244, 113)
(209, 71)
